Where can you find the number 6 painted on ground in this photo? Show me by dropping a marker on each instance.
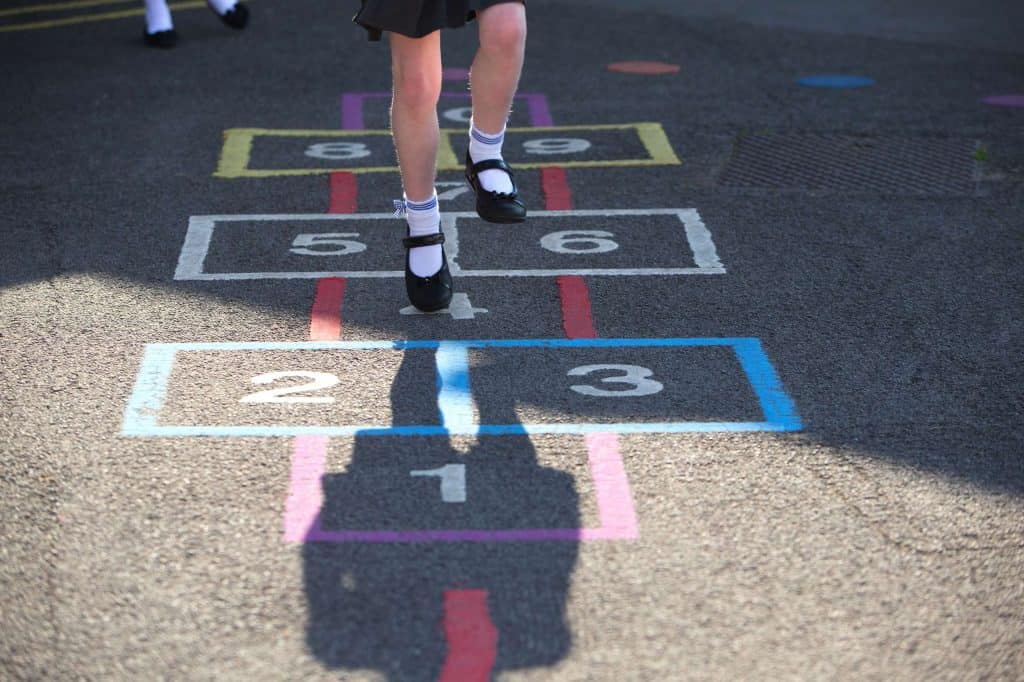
(598, 240)
(634, 375)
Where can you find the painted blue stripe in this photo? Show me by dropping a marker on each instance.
(775, 402)
(836, 81)
(486, 429)
(454, 397)
(150, 389)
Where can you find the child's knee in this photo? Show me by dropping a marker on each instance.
(417, 88)
(503, 29)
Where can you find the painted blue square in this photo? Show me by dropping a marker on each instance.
(455, 392)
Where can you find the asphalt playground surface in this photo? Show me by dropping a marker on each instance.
(727, 406)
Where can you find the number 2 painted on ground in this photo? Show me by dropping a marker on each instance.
(633, 375)
(318, 382)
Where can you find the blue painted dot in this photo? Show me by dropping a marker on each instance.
(836, 81)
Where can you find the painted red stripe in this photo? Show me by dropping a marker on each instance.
(555, 185)
(576, 315)
(471, 636)
(325, 318)
(343, 193)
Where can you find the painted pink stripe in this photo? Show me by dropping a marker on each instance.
(325, 317)
(471, 636)
(343, 193)
(302, 508)
(577, 319)
(611, 486)
(555, 186)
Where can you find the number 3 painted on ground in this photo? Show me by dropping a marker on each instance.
(633, 375)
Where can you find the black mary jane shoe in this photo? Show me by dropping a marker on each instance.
(236, 17)
(165, 39)
(432, 293)
(494, 207)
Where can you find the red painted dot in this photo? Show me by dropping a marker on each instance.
(1005, 100)
(643, 68)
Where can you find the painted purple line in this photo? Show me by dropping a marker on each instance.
(317, 534)
(537, 104)
(352, 111)
(1005, 100)
(352, 107)
(454, 73)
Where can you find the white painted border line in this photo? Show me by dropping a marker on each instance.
(199, 236)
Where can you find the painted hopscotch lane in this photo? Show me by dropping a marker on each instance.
(614, 388)
(361, 245)
(262, 153)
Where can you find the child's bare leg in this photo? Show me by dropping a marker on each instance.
(498, 62)
(494, 78)
(416, 72)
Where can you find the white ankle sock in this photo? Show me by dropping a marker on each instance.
(424, 217)
(483, 146)
(221, 7)
(158, 16)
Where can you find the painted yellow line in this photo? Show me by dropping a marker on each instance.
(88, 18)
(238, 142)
(60, 6)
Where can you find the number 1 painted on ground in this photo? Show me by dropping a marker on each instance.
(453, 481)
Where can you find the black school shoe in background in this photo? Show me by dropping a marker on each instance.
(165, 39)
(236, 17)
(494, 207)
(432, 293)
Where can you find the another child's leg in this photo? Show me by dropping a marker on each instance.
(159, 25)
(416, 72)
(494, 78)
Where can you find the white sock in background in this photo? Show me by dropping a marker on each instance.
(221, 7)
(483, 146)
(158, 16)
(424, 217)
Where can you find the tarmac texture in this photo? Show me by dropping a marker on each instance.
(740, 400)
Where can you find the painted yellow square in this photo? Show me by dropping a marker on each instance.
(238, 142)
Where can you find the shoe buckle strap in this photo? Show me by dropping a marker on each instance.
(423, 240)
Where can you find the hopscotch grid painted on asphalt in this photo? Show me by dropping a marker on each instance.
(465, 609)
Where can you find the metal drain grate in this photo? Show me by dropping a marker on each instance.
(887, 165)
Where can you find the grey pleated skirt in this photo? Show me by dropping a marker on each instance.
(417, 18)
